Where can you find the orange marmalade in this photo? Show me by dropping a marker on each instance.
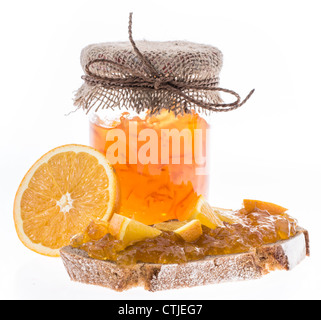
(258, 228)
(160, 160)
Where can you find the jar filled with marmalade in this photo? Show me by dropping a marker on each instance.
(161, 161)
(150, 105)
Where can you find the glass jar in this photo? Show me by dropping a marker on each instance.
(147, 103)
(162, 161)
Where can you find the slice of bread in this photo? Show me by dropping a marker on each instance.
(282, 255)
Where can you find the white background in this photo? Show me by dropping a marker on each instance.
(268, 150)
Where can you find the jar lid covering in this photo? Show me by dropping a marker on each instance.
(145, 75)
(185, 61)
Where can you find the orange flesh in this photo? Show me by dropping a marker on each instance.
(153, 193)
(61, 193)
(42, 203)
(258, 228)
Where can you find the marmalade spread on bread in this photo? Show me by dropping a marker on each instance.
(248, 228)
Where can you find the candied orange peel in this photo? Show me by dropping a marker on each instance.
(191, 231)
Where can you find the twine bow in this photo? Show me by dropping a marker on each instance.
(156, 81)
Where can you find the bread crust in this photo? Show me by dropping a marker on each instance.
(282, 255)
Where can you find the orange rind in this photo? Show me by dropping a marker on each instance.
(251, 205)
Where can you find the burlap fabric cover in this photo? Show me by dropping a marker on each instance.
(177, 76)
(181, 62)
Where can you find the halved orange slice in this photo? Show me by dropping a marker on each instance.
(61, 194)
